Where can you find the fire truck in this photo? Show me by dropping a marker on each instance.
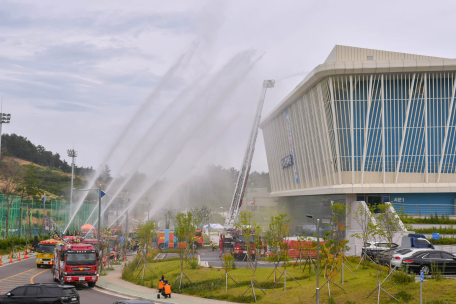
(45, 252)
(167, 239)
(235, 241)
(75, 263)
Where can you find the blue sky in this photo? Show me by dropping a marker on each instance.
(77, 72)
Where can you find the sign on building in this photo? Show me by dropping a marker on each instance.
(287, 161)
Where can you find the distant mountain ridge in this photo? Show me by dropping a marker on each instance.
(20, 147)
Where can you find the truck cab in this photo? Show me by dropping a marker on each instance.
(45, 252)
(416, 241)
(75, 263)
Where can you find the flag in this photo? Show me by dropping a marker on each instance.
(44, 198)
(102, 193)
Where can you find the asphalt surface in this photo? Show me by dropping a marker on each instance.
(26, 272)
(213, 258)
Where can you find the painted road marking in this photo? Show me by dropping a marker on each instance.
(31, 279)
(19, 279)
(17, 274)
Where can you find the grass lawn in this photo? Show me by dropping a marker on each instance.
(356, 289)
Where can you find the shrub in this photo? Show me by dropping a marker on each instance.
(405, 296)
(403, 276)
(194, 263)
(331, 300)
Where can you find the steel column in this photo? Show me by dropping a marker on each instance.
(447, 126)
(336, 135)
(366, 128)
(404, 128)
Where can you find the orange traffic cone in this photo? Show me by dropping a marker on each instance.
(25, 254)
(115, 257)
(1, 260)
(19, 259)
(125, 256)
(11, 257)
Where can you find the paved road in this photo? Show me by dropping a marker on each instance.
(213, 259)
(26, 272)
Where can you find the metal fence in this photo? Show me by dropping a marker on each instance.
(58, 214)
(424, 209)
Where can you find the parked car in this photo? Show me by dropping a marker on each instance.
(422, 260)
(41, 293)
(385, 256)
(405, 253)
(372, 249)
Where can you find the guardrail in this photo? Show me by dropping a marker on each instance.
(425, 209)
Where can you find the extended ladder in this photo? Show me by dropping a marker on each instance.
(236, 203)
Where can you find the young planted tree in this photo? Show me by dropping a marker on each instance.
(368, 226)
(146, 233)
(338, 238)
(184, 229)
(10, 177)
(251, 231)
(391, 225)
(227, 265)
(277, 232)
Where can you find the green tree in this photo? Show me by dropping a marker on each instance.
(184, 229)
(277, 232)
(251, 231)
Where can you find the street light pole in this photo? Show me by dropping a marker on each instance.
(73, 154)
(4, 118)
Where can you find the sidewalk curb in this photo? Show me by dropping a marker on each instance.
(133, 296)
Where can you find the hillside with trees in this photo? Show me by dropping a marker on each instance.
(20, 147)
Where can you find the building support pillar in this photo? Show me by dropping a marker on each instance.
(336, 133)
(366, 128)
(447, 128)
(404, 128)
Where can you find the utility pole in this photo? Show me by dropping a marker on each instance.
(73, 154)
(4, 118)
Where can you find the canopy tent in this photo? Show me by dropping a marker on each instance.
(86, 227)
(213, 226)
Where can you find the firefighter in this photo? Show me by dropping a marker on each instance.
(167, 290)
(213, 246)
(161, 283)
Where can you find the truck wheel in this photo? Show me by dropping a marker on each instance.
(53, 275)
(161, 246)
(91, 284)
(195, 246)
(62, 280)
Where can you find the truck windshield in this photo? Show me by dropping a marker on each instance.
(81, 259)
(240, 238)
(45, 248)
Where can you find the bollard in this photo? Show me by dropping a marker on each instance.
(11, 257)
(19, 258)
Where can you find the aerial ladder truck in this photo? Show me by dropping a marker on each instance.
(231, 238)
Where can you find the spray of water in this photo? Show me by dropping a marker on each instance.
(176, 155)
(149, 102)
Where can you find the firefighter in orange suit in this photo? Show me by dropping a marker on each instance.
(161, 283)
(167, 290)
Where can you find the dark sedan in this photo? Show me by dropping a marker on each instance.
(423, 260)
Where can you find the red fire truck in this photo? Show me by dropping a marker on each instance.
(235, 241)
(75, 263)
